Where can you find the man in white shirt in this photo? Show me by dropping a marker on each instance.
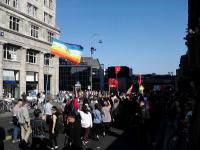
(47, 111)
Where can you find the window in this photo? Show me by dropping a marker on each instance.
(32, 10)
(50, 19)
(10, 52)
(45, 2)
(14, 23)
(47, 59)
(50, 37)
(34, 31)
(31, 56)
(47, 18)
(51, 4)
(15, 3)
(7, 2)
(48, 3)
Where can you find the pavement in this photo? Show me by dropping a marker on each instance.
(129, 139)
(118, 140)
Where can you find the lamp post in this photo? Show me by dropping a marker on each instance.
(92, 49)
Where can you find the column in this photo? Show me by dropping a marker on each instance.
(22, 79)
(54, 87)
(41, 72)
(1, 70)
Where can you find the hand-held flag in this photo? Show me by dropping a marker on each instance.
(130, 90)
(117, 69)
(139, 79)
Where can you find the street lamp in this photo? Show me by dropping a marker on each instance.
(92, 49)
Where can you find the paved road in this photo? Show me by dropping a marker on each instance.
(118, 140)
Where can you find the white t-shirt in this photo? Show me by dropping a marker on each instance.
(86, 119)
(47, 108)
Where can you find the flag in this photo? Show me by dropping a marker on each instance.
(112, 82)
(139, 79)
(117, 69)
(130, 90)
(141, 89)
(71, 52)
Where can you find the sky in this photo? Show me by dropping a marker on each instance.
(145, 35)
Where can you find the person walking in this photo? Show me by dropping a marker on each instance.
(47, 111)
(53, 130)
(39, 131)
(97, 120)
(24, 122)
(106, 117)
(86, 122)
(16, 125)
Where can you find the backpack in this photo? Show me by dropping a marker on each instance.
(59, 124)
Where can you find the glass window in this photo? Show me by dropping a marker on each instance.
(51, 4)
(47, 59)
(45, 17)
(14, 23)
(50, 37)
(31, 56)
(34, 31)
(32, 10)
(15, 3)
(45, 2)
(7, 2)
(10, 52)
(48, 18)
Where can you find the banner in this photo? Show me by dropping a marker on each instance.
(112, 82)
(71, 52)
(117, 69)
(130, 90)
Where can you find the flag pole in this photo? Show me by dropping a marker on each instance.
(117, 84)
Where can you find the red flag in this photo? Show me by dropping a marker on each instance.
(130, 90)
(139, 79)
(117, 69)
(113, 83)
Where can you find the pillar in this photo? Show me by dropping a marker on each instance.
(1, 70)
(54, 87)
(41, 72)
(22, 80)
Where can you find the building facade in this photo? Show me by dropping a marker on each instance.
(27, 28)
(123, 77)
(71, 75)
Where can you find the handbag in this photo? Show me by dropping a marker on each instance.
(71, 119)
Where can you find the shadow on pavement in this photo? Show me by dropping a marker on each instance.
(132, 139)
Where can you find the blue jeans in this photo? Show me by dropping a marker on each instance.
(15, 132)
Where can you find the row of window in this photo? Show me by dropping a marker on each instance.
(48, 3)
(15, 3)
(10, 53)
(33, 10)
(14, 25)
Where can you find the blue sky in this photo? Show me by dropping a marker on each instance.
(146, 35)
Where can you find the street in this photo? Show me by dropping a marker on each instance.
(119, 139)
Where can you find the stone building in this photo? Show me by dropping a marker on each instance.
(27, 28)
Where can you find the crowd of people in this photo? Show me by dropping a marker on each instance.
(87, 114)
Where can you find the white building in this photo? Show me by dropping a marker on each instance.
(27, 28)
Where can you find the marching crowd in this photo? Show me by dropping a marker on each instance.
(90, 114)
